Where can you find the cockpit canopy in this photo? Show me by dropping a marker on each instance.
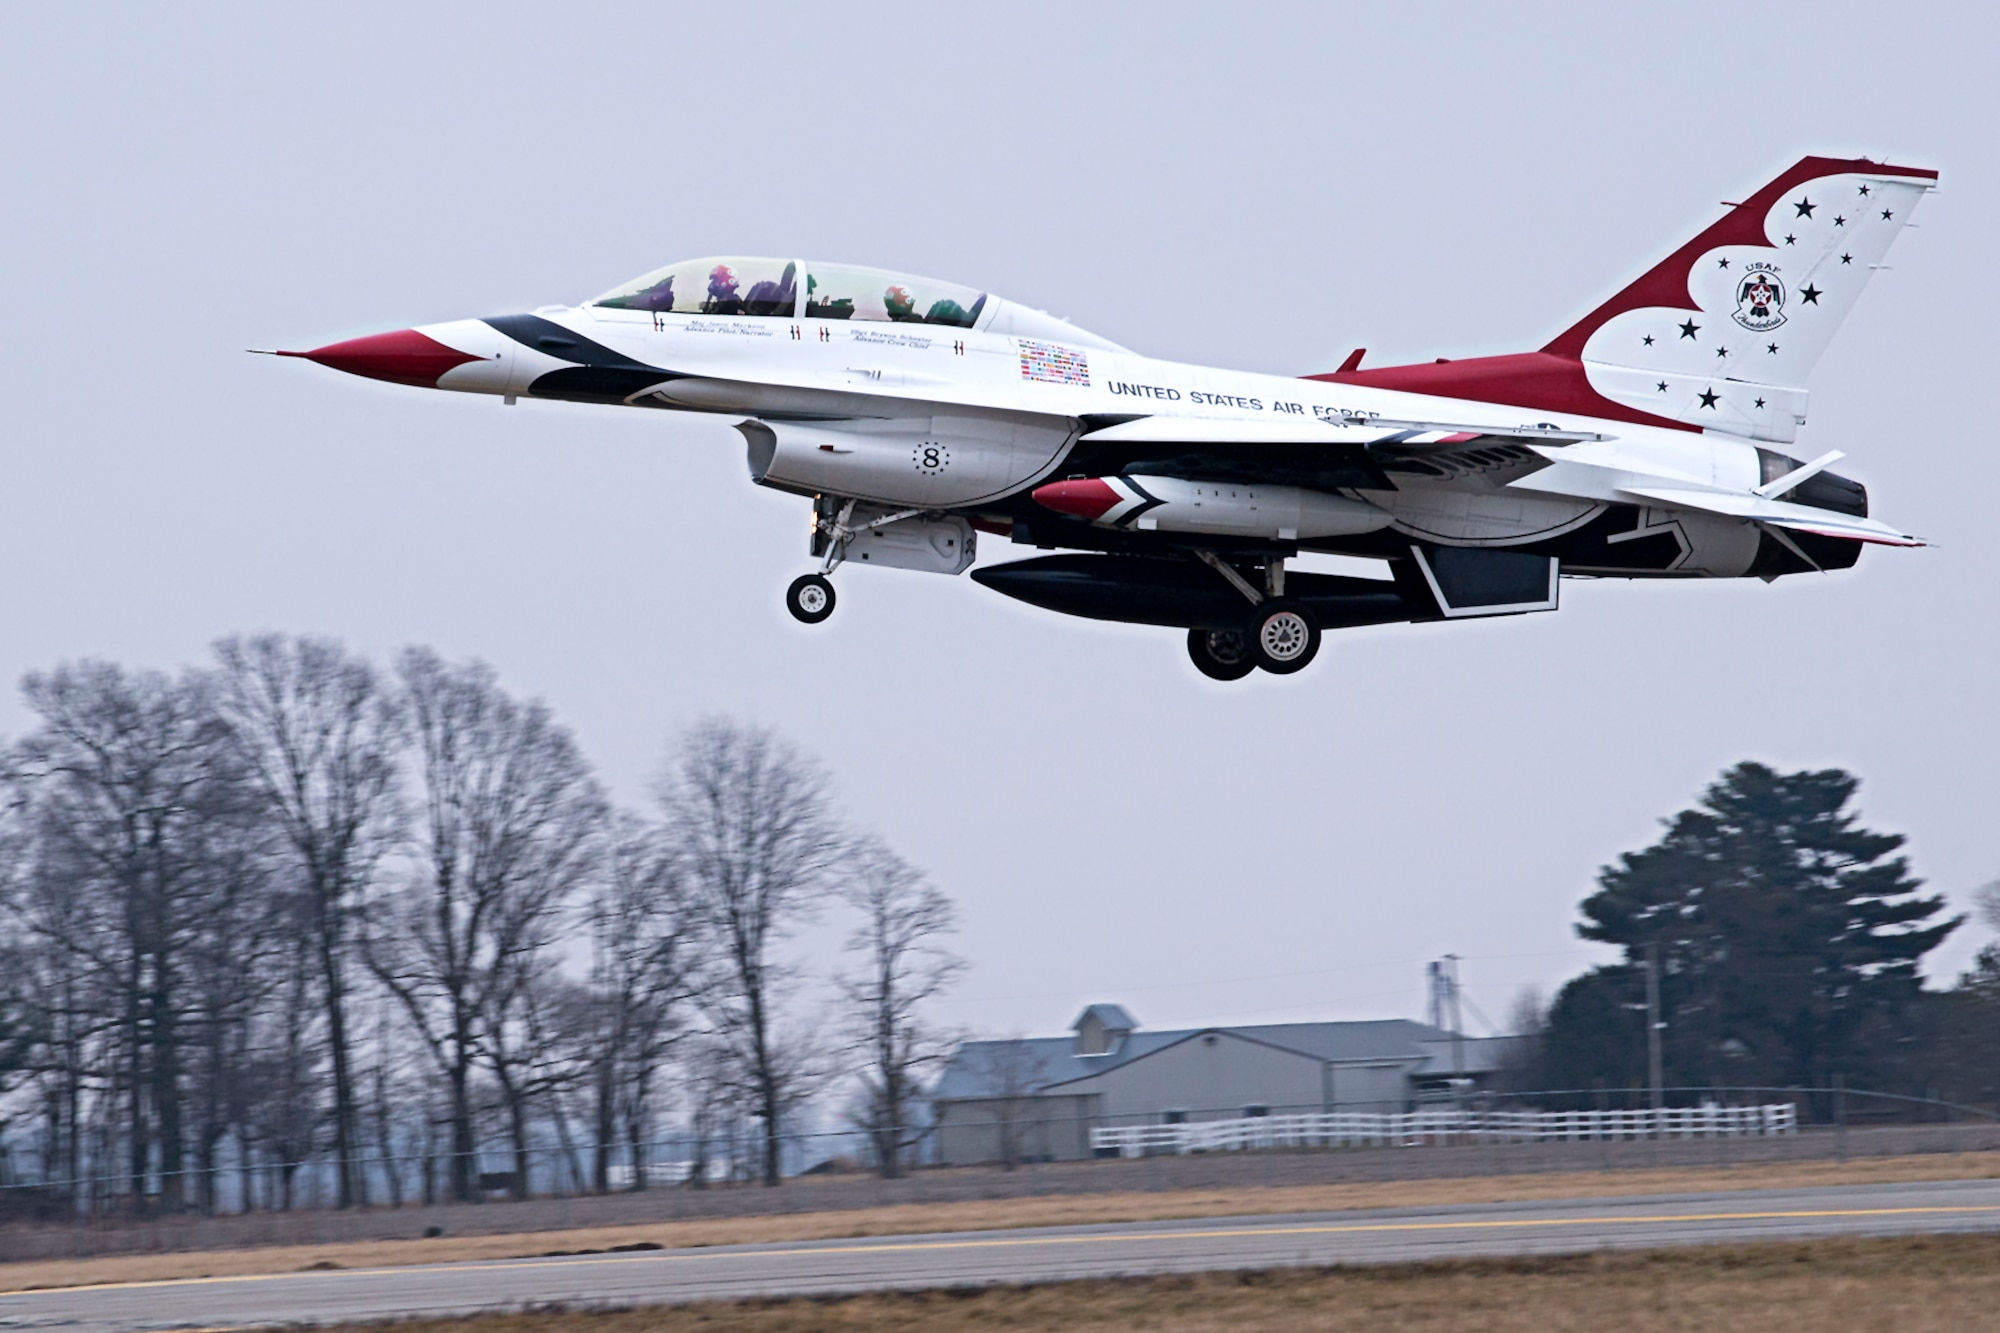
(732, 286)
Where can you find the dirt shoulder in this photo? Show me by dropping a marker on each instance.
(988, 1215)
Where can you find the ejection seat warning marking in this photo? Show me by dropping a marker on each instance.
(1054, 365)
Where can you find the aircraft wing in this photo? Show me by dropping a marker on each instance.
(1324, 452)
(1363, 430)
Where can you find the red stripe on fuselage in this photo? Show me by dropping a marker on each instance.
(1533, 380)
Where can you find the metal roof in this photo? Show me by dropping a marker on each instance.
(980, 1069)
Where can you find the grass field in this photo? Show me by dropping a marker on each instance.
(1050, 1210)
(1913, 1285)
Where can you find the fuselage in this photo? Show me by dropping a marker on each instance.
(1004, 412)
(1648, 439)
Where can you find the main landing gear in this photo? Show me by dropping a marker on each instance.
(1221, 654)
(1283, 636)
(1279, 635)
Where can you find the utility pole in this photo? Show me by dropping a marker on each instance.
(1653, 1025)
(1444, 1010)
(1457, 1023)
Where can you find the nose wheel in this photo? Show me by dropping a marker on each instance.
(810, 598)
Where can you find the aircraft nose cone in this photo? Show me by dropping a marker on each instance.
(403, 357)
(1086, 498)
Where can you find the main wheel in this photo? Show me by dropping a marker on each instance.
(1221, 654)
(1283, 636)
(810, 598)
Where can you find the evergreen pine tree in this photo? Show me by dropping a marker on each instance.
(1789, 939)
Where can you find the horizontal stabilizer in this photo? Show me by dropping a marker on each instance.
(1776, 513)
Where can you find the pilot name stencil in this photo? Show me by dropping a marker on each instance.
(917, 341)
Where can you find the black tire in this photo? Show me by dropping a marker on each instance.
(1283, 636)
(810, 598)
(1221, 654)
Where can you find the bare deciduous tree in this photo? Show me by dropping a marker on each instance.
(1012, 1074)
(18, 1035)
(511, 817)
(1987, 899)
(121, 770)
(640, 967)
(195, 945)
(233, 962)
(748, 817)
(903, 964)
(712, 1109)
(283, 1118)
(321, 738)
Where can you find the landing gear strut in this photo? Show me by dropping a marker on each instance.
(834, 528)
(810, 598)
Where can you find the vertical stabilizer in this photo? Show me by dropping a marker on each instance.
(1719, 335)
(1723, 332)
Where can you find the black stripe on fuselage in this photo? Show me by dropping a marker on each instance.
(601, 374)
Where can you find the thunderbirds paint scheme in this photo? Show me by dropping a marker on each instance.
(1650, 439)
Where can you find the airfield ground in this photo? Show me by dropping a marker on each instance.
(998, 1214)
(1909, 1285)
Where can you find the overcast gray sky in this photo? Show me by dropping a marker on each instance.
(1258, 186)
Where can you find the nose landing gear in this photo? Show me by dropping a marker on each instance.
(810, 598)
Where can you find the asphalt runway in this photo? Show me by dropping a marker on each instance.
(1038, 1255)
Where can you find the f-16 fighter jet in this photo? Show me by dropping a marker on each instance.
(1653, 438)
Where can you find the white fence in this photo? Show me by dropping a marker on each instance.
(1361, 1129)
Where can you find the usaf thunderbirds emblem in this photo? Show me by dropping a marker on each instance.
(1760, 299)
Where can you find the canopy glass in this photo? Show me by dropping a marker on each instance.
(741, 286)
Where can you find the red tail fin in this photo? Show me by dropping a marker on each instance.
(1722, 332)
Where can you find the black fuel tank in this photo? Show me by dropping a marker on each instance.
(1180, 591)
